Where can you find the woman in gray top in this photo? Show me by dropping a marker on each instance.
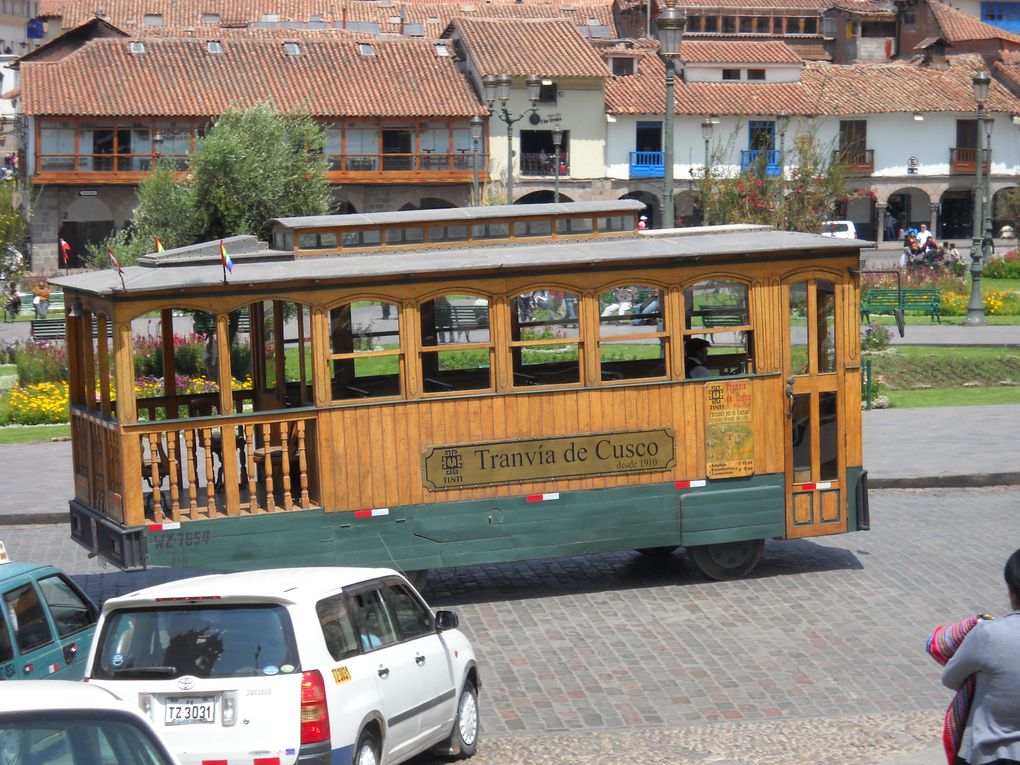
(991, 652)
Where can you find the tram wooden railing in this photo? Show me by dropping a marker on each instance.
(225, 466)
(189, 405)
(97, 460)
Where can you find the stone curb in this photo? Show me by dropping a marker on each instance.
(965, 481)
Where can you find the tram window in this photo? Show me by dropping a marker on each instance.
(615, 223)
(800, 428)
(798, 328)
(574, 226)
(364, 238)
(533, 227)
(632, 341)
(445, 233)
(716, 303)
(405, 235)
(449, 324)
(828, 437)
(483, 231)
(545, 341)
(365, 344)
(320, 241)
(825, 325)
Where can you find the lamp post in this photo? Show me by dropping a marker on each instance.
(976, 304)
(706, 133)
(670, 28)
(557, 136)
(476, 136)
(782, 121)
(499, 87)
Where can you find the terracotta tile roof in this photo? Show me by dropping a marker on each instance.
(959, 27)
(734, 52)
(436, 16)
(180, 78)
(519, 47)
(1008, 71)
(901, 87)
(824, 89)
(775, 6)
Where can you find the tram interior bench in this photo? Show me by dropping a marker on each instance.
(926, 300)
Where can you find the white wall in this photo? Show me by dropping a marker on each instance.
(714, 72)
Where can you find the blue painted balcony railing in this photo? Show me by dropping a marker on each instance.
(767, 158)
(647, 164)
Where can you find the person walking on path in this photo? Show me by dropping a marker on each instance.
(990, 653)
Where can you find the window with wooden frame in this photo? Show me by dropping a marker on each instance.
(632, 335)
(545, 338)
(366, 359)
(716, 310)
(456, 344)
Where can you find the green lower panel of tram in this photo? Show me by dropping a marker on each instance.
(463, 533)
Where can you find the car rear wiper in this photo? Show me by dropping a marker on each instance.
(156, 670)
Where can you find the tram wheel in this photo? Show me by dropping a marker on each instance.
(656, 552)
(418, 578)
(728, 560)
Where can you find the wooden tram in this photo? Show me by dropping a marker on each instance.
(450, 387)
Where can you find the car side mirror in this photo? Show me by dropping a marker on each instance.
(446, 620)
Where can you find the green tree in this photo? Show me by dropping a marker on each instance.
(815, 191)
(251, 166)
(13, 231)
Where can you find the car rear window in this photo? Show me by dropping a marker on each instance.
(77, 737)
(836, 228)
(204, 641)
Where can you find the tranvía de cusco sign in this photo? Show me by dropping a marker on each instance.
(481, 464)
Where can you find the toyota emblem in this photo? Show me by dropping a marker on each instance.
(186, 683)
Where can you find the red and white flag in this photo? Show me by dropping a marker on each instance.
(65, 251)
(113, 261)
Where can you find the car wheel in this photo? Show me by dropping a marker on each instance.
(367, 752)
(464, 739)
(728, 560)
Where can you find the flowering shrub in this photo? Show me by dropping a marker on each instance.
(997, 303)
(40, 362)
(39, 403)
(874, 337)
(1006, 267)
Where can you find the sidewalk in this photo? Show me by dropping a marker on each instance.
(903, 448)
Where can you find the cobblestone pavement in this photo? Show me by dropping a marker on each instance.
(817, 658)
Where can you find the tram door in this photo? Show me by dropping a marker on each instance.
(815, 432)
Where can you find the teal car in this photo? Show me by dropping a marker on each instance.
(46, 622)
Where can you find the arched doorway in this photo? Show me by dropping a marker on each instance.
(956, 214)
(88, 220)
(652, 210)
(1005, 209)
(910, 207)
(544, 197)
(343, 207)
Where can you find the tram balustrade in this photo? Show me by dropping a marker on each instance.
(96, 455)
(223, 466)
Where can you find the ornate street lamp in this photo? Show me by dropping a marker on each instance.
(476, 136)
(706, 133)
(670, 29)
(557, 136)
(979, 238)
(499, 87)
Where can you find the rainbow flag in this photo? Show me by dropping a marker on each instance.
(113, 261)
(225, 259)
(159, 245)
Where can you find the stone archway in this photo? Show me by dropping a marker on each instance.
(1004, 214)
(652, 209)
(956, 214)
(910, 206)
(87, 221)
(541, 197)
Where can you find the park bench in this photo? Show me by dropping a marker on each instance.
(464, 318)
(925, 300)
(55, 329)
(722, 316)
(205, 324)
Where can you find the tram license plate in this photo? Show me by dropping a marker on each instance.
(185, 711)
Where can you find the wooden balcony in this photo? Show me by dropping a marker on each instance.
(99, 169)
(422, 167)
(963, 160)
(855, 161)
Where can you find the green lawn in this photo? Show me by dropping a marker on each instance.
(915, 399)
(16, 434)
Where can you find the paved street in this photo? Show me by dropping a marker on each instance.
(818, 658)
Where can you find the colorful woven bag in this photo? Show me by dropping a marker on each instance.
(942, 644)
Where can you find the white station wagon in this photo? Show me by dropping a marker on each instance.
(306, 665)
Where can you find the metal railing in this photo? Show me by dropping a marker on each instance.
(543, 164)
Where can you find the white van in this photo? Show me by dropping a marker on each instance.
(309, 665)
(841, 229)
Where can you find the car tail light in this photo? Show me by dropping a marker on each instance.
(314, 712)
(229, 708)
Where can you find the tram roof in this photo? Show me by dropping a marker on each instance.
(254, 270)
